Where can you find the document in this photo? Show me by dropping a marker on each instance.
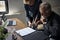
(25, 31)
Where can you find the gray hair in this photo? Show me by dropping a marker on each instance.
(45, 5)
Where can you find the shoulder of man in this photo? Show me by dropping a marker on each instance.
(56, 17)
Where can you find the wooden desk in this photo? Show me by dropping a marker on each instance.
(19, 25)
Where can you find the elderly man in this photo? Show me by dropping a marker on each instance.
(50, 20)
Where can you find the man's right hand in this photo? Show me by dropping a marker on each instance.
(32, 25)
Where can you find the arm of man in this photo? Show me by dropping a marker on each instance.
(52, 29)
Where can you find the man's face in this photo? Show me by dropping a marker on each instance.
(44, 11)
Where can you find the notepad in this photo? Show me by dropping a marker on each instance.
(25, 31)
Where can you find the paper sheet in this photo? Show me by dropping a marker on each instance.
(25, 31)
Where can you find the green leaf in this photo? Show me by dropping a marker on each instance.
(2, 35)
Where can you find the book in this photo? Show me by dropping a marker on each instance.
(25, 31)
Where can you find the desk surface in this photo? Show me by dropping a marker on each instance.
(19, 25)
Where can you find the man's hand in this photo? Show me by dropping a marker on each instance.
(34, 23)
(29, 23)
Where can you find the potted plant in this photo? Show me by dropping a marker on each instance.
(3, 31)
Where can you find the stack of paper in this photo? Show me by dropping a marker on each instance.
(25, 31)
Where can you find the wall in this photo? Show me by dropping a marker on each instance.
(16, 10)
(55, 5)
